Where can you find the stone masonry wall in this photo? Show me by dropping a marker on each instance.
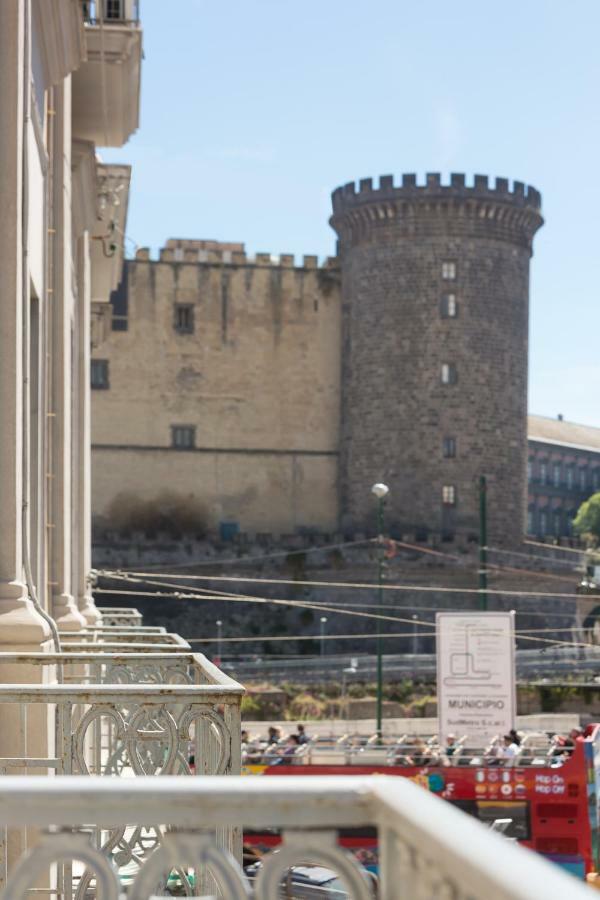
(258, 379)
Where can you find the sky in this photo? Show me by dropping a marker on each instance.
(253, 112)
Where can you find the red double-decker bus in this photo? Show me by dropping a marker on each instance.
(547, 794)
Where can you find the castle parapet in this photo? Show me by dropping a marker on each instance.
(483, 187)
(505, 211)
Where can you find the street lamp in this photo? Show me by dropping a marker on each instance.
(323, 622)
(351, 670)
(219, 640)
(380, 491)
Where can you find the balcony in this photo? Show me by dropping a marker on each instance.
(121, 700)
(106, 87)
(427, 849)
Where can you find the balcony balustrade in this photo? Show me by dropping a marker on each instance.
(427, 849)
(120, 615)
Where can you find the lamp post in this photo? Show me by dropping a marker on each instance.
(380, 491)
(351, 670)
(322, 624)
(219, 640)
(483, 597)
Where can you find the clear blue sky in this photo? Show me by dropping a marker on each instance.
(252, 112)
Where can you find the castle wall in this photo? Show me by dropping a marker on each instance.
(258, 380)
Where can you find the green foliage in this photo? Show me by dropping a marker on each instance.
(587, 520)
(250, 708)
(306, 706)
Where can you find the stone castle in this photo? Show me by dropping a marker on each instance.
(265, 395)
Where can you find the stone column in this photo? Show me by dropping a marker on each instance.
(20, 624)
(82, 537)
(64, 606)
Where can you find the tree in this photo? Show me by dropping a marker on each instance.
(587, 520)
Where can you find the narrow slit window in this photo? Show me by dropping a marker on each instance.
(184, 318)
(183, 437)
(448, 373)
(99, 374)
(449, 306)
(449, 447)
(449, 495)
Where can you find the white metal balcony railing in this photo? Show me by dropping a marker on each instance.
(106, 709)
(427, 849)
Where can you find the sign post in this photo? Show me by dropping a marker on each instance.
(475, 674)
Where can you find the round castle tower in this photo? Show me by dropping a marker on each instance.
(435, 287)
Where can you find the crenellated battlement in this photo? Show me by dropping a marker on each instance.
(495, 209)
(230, 254)
(482, 187)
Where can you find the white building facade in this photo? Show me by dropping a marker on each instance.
(69, 82)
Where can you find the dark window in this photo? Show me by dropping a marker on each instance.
(449, 306)
(448, 373)
(113, 9)
(543, 472)
(448, 495)
(543, 520)
(183, 437)
(449, 447)
(529, 470)
(99, 374)
(488, 811)
(583, 479)
(570, 478)
(184, 318)
(556, 474)
(557, 522)
(530, 521)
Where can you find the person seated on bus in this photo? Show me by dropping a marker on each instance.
(516, 737)
(419, 754)
(281, 755)
(575, 734)
(451, 745)
(508, 749)
(301, 734)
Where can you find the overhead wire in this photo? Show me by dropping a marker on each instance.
(417, 588)
(221, 595)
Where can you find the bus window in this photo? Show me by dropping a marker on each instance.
(490, 810)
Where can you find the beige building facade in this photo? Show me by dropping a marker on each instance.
(216, 400)
(62, 93)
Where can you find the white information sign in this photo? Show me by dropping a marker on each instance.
(475, 674)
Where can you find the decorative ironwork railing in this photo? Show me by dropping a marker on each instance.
(94, 666)
(427, 849)
(148, 716)
(120, 635)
